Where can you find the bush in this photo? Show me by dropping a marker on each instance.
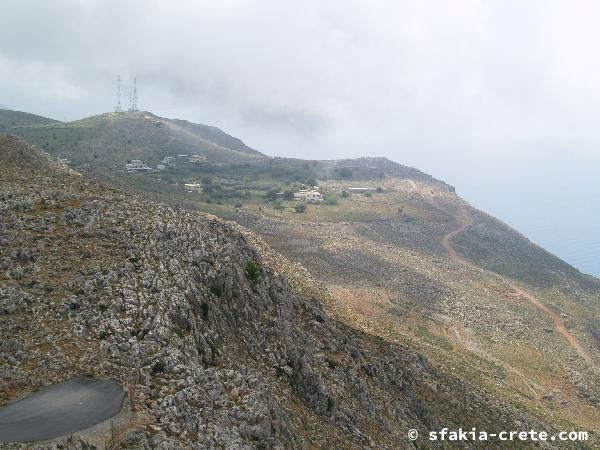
(238, 205)
(344, 173)
(300, 207)
(252, 272)
(159, 367)
(271, 194)
(279, 206)
(329, 199)
(345, 194)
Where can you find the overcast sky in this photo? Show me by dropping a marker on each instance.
(500, 98)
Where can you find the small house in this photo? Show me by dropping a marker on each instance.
(197, 159)
(169, 161)
(313, 196)
(309, 195)
(137, 165)
(193, 187)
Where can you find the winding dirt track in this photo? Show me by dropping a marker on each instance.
(464, 220)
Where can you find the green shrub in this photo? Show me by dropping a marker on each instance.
(271, 194)
(300, 207)
(159, 367)
(103, 335)
(329, 199)
(344, 173)
(252, 272)
(205, 310)
(217, 290)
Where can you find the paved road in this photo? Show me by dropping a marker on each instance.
(60, 409)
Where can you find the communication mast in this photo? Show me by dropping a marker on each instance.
(118, 107)
(134, 98)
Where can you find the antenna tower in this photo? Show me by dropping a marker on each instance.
(134, 99)
(118, 107)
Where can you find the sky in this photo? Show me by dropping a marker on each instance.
(499, 98)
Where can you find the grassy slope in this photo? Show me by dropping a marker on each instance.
(9, 118)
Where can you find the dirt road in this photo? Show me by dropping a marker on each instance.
(464, 220)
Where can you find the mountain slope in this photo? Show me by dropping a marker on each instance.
(517, 320)
(217, 346)
(10, 118)
(409, 262)
(110, 140)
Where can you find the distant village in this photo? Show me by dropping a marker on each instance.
(307, 195)
(138, 166)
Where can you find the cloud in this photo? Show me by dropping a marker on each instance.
(411, 80)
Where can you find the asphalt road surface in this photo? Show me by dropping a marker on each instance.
(60, 409)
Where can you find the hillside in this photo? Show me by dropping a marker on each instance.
(10, 118)
(408, 263)
(230, 171)
(219, 342)
(110, 139)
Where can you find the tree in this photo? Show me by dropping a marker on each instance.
(300, 207)
(344, 173)
(271, 194)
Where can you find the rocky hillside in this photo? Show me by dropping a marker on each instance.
(218, 346)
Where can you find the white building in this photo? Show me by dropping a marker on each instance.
(169, 161)
(161, 166)
(301, 194)
(309, 195)
(313, 196)
(136, 165)
(356, 190)
(193, 187)
(197, 159)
